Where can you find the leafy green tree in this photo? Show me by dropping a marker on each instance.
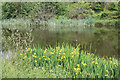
(16, 9)
(27, 9)
(112, 6)
(119, 6)
(119, 9)
(60, 8)
(98, 6)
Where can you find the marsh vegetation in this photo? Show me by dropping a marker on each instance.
(61, 40)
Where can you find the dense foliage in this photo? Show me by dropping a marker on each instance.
(15, 9)
(62, 62)
(44, 11)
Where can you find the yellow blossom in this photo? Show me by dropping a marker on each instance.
(88, 53)
(76, 73)
(51, 53)
(59, 65)
(39, 58)
(57, 48)
(106, 75)
(84, 64)
(45, 59)
(59, 53)
(43, 56)
(74, 52)
(110, 58)
(35, 56)
(96, 63)
(59, 59)
(110, 61)
(61, 50)
(21, 54)
(34, 53)
(31, 51)
(93, 62)
(114, 63)
(115, 66)
(71, 53)
(48, 58)
(75, 69)
(97, 74)
(24, 57)
(106, 70)
(35, 60)
(78, 68)
(27, 50)
(45, 50)
(78, 65)
(63, 53)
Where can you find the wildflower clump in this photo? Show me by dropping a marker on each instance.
(78, 63)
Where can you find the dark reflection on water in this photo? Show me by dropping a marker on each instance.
(99, 42)
(102, 43)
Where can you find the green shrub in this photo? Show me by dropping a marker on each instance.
(112, 6)
(119, 5)
(16, 9)
(104, 15)
(60, 62)
(78, 63)
(97, 7)
(119, 9)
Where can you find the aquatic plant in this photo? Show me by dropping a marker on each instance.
(79, 64)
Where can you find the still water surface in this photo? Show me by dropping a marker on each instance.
(97, 41)
(102, 43)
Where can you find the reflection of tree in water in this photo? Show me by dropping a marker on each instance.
(105, 43)
(15, 39)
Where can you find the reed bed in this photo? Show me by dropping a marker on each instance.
(65, 62)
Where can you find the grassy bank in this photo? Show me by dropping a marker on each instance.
(59, 62)
(61, 23)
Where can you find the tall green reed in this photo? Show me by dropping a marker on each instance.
(78, 62)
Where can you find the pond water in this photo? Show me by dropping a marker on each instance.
(101, 42)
